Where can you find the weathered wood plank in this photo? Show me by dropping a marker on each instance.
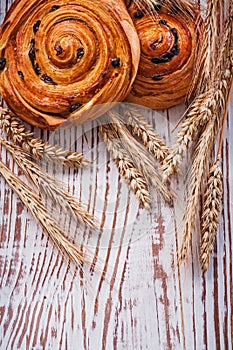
(150, 302)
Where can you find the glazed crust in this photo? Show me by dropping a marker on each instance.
(169, 43)
(66, 61)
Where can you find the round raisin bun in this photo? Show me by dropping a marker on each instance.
(66, 61)
(169, 41)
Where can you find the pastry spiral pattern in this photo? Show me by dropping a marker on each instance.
(168, 46)
(59, 60)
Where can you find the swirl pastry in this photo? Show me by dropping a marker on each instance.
(168, 46)
(59, 59)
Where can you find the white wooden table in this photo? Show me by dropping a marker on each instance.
(147, 301)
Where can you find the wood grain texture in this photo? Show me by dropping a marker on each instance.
(146, 301)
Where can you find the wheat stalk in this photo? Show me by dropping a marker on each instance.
(211, 204)
(211, 90)
(38, 210)
(210, 214)
(214, 87)
(48, 186)
(199, 176)
(186, 7)
(39, 149)
(202, 110)
(199, 170)
(140, 156)
(142, 129)
(226, 48)
(206, 56)
(126, 165)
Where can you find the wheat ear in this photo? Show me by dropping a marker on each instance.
(39, 149)
(198, 115)
(38, 210)
(126, 165)
(210, 214)
(49, 186)
(142, 129)
(140, 156)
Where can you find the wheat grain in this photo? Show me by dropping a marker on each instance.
(125, 164)
(210, 214)
(39, 149)
(38, 210)
(141, 128)
(49, 186)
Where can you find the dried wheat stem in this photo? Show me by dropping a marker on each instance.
(39, 149)
(38, 210)
(126, 166)
(141, 128)
(49, 186)
(210, 214)
(140, 156)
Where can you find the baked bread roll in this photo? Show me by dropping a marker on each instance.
(169, 42)
(66, 60)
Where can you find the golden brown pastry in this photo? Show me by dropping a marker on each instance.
(169, 41)
(59, 59)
